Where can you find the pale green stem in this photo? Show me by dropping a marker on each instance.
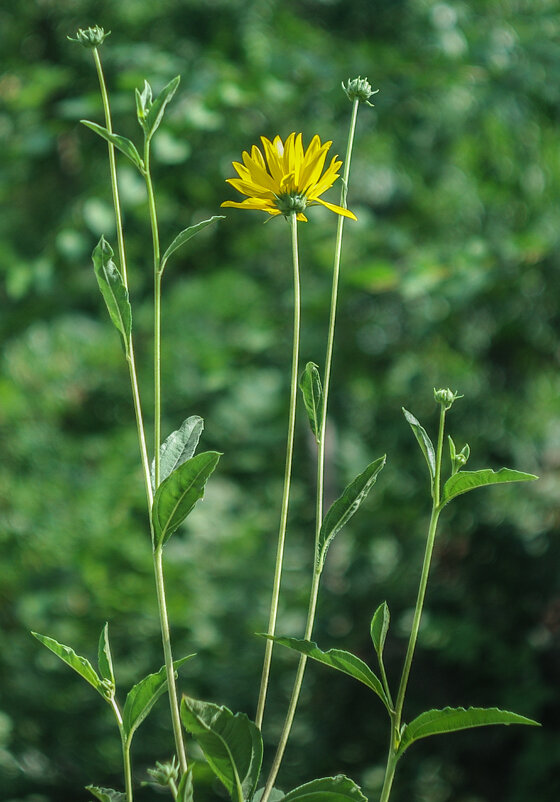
(280, 749)
(287, 480)
(320, 464)
(432, 529)
(125, 744)
(172, 788)
(170, 671)
(122, 258)
(158, 551)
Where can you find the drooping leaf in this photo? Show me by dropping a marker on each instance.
(104, 659)
(186, 235)
(177, 495)
(451, 719)
(463, 481)
(121, 142)
(345, 507)
(112, 288)
(143, 696)
(424, 442)
(80, 664)
(185, 787)
(178, 447)
(106, 794)
(312, 391)
(231, 743)
(156, 108)
(343, 661)
(327, 789)
(379, 628)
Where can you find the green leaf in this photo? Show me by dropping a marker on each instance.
(104, 659)
(346, 662)
(451, 719)
(231, 743)
(327, 789)
(310, 384)
(185, 788)
(106, 794)
(275, 795)
(143, 696)
(178, 447)
(424, 442)
(121, 142)
(112, 289)
(345, 507)
(177, 495)
(82, 666)
(186, 235)
(143, 102)
(155, 111)
(464, 481)
(379, 628)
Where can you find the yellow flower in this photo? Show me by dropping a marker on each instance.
(289, 180)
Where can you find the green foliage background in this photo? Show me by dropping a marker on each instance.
(450, 278)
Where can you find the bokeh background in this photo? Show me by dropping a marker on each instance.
(450, 278)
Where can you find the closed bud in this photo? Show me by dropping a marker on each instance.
(359, 89)
(90, 37)
(445, 397)
(164, 773)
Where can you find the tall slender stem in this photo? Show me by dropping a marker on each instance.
(170, 672)
(287, 479)
(125, 746)
(158, 551)
(122, 258)
(314, 592)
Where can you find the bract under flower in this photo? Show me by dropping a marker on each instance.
(286, 179)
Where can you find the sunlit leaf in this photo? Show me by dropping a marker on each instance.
(121, 142)
(379, 627)
(312, 391)
(112, 288)
(186, 235)
(177, 495)
(157, 107)
(106, 794)
(464, 481)
(451, 719)
(340, 660)
(327, 789)
(104, 659)
(423, 441)
(232, 744)
(80, 664)
(178, 447)
(345, 507)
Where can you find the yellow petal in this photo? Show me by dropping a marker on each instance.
(338, 209)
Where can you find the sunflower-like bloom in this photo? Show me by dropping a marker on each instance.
(288, 180)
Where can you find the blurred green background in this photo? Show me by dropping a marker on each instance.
(450, 278)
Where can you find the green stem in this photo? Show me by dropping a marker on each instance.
(170, 671)
(320, 465)
(432, 529)
(287, 480)
(125, 745)
(122, 258)
(281, 748)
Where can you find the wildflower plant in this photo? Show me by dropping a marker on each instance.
(283, 179)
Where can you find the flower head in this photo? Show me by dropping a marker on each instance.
(90, 37)
(286, 179)
(359, 89)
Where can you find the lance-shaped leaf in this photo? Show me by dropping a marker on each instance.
(379, 628)
(121, 142)
(177, 495)
(452, 719)
(424, 442)
(312, 391)
(231, 743)
(340, 660)
(464, 481)
(345, 507)
(327, 789)
(154, 110)
(104, 659)
(186, 235)
(185, 787)
(112, 288)
(178, 447)
(80, 664)
(106, 794)
(143, 696)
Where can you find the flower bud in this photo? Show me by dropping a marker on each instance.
(359, 89)
(90, 37)
(445, 397)
(164, 773)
